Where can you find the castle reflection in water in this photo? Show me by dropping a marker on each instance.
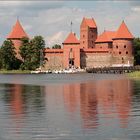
(89, 102)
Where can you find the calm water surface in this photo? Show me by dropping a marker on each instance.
(69, 107)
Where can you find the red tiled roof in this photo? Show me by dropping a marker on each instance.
(123, 32)
(17, 31)
(106, 36)
(90, 22)
(71, 39)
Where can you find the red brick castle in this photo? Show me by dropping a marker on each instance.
(111, 48)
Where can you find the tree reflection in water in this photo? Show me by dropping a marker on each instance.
(23, 99)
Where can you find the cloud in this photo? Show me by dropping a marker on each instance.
(52, 19)
(55, 39)
(26, 8)
(134, 3)
(32, 4)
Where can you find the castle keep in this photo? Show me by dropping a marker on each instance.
(111, 48)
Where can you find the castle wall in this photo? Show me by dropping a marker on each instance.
(94, 59)
(122, 60)
(53, 59)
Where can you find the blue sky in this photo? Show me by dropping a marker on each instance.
(51, 19)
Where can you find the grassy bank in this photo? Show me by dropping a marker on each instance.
(15, 71)
(135, 74)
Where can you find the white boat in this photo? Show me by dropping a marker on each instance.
(37, 72)
(68, 71)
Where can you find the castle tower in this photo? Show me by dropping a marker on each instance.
(122, 44)
(71, 48)
(88, 33)
(15, 36)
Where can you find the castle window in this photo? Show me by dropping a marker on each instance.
(119, 52)
(126, 52)
(100, 47)
(117, 47)
(83, 35)
(124, 46)
(83, 42)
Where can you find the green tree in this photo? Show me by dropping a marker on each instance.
(24, 48)
(56, 46)
(0, 59)
(8, 56)
(136, 46)
(31, 52)
(24, 53)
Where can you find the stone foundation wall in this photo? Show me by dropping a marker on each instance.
(53, 61)
(123, 60)
(90, 60)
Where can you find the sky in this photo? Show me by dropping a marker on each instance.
(52, 19)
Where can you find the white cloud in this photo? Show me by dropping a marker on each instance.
(52, 19)
(55, 39)
(135, 9)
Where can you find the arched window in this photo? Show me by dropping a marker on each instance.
(126, 52)
(117, 46)
(120, 52)
(124, 46)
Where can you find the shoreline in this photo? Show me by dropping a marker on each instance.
(133, 75)
(15, 71)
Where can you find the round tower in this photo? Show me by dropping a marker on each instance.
(122, 46)
(15, 36)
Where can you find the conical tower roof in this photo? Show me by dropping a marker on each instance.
(123, 32)
(17, 31)
(90, 22)
(71, 39)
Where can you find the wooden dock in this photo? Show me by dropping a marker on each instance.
(115, 70)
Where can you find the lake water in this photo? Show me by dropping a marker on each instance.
(69, 107)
